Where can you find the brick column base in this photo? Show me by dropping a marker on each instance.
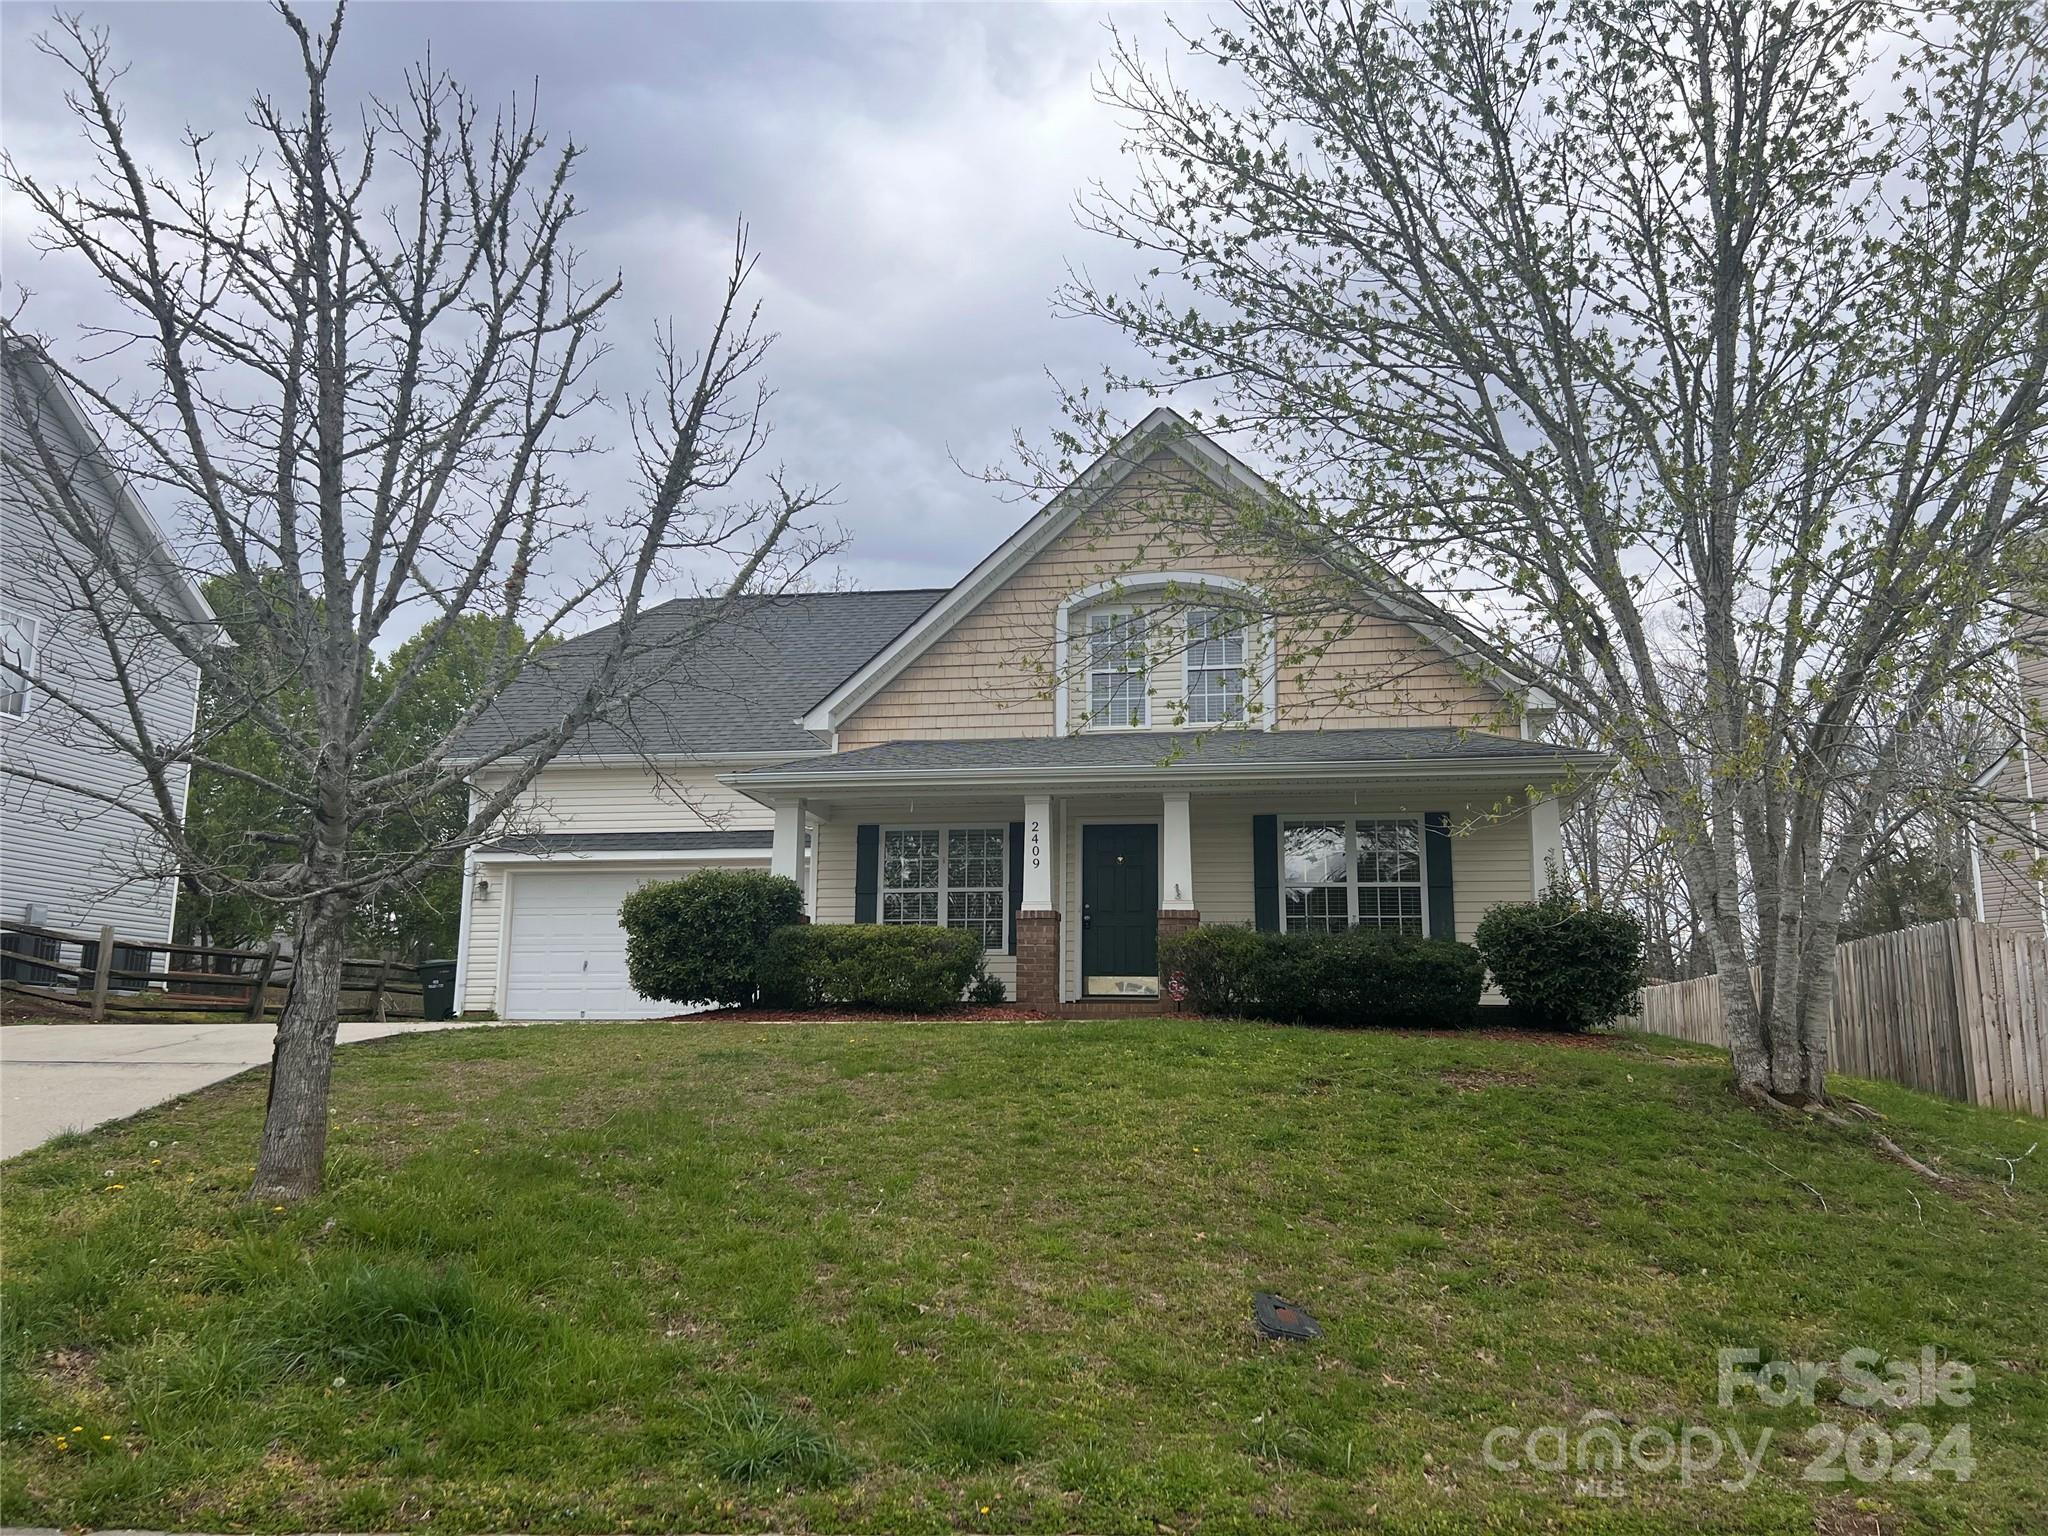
(1172, 922)
(1038, 960)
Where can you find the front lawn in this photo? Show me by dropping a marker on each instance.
(888, 1277)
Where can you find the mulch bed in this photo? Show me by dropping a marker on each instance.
(1011, 1014)
(963, 1015)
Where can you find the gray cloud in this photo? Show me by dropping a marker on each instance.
(908, 173)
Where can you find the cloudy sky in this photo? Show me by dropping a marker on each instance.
(909, 173)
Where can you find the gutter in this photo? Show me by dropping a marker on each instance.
(1168, 776)
(509, 761)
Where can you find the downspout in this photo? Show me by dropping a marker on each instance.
(2033, 824)
(462, 928)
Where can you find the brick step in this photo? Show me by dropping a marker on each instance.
(1116, 1008)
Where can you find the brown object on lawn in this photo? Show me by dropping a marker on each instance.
(1278, 1319)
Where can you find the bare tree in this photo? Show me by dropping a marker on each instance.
(1637, 346)
(369, 359)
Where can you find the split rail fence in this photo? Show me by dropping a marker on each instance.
(1957, 1008)
(105, 973)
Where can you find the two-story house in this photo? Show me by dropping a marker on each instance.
(2006, 856)
(1105, 731)
(71, 857)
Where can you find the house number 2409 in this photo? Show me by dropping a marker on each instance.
(1036, 852)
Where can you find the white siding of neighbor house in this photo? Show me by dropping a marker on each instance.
(625, 797)
(1491, 855)
(83, 862)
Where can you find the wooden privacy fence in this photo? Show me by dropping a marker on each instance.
(106, 973)
(1956, 1008)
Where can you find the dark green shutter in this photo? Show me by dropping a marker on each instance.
(1016, 878)
(1436, 869)
(1266, 873)
(867, 870)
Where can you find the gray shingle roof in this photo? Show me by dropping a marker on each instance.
(737, 689)
(1193, 754)
(632, 842)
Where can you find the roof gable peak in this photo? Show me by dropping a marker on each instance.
(1163, 428)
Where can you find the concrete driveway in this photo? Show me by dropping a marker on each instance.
(71, 1077)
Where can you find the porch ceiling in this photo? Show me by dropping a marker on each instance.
(1111, 760)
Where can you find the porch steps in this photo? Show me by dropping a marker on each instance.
(1117, 1008)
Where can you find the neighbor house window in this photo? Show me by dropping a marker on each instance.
(1215, 663)
(1116, 667)
(956, 877)
(17, 661)
(1358, 871)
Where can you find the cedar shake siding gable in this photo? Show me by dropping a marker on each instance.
(994, 671)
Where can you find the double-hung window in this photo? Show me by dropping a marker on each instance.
(977, 889)
(18, 634)
(911, 884)
(1117, 641)
(953, 877)
(1215, 667)
(1353, 871)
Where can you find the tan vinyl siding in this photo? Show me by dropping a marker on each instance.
(835, 851)
(629, 797)
(2006, 855)
(1490, 852)
(635, 798)
(993, 672)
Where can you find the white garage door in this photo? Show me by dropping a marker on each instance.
(566, 955)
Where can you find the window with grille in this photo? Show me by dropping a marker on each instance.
(1318, 894)
(957, 877)
(910, 877)
(1116, 667)
(1215, 666)
(977, 889)
(17, 661)
(1360, 871)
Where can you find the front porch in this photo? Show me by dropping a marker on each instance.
(1073, 870)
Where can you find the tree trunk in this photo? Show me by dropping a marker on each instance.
(293, 1156)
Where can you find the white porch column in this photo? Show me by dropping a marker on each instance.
(1176, 856)
(1037, 854)
(1546, 845)
(787, 854)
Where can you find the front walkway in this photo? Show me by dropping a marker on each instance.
(71, 1077)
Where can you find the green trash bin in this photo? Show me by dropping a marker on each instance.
(437, 989)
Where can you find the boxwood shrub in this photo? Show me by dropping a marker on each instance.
(900, 968)
(699, 939)
(1362, 976)
(1562, 965)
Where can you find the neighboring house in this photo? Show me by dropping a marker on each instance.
(69, 860)
(2004, 886)
(1076, 748)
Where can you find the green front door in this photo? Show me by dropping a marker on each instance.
(1120, 911)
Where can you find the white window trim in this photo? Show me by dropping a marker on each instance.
(1351, 819)
(1143, 671)
(1188, 669)
(1191, 588)
(945, 831)
(28, 673)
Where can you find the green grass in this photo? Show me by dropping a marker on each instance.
(998, 1277)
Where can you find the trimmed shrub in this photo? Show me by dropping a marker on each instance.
(900, 968)
(1363, 976)
(1211, 969)
(1561, 965)
(699, 939)
(985, 990)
